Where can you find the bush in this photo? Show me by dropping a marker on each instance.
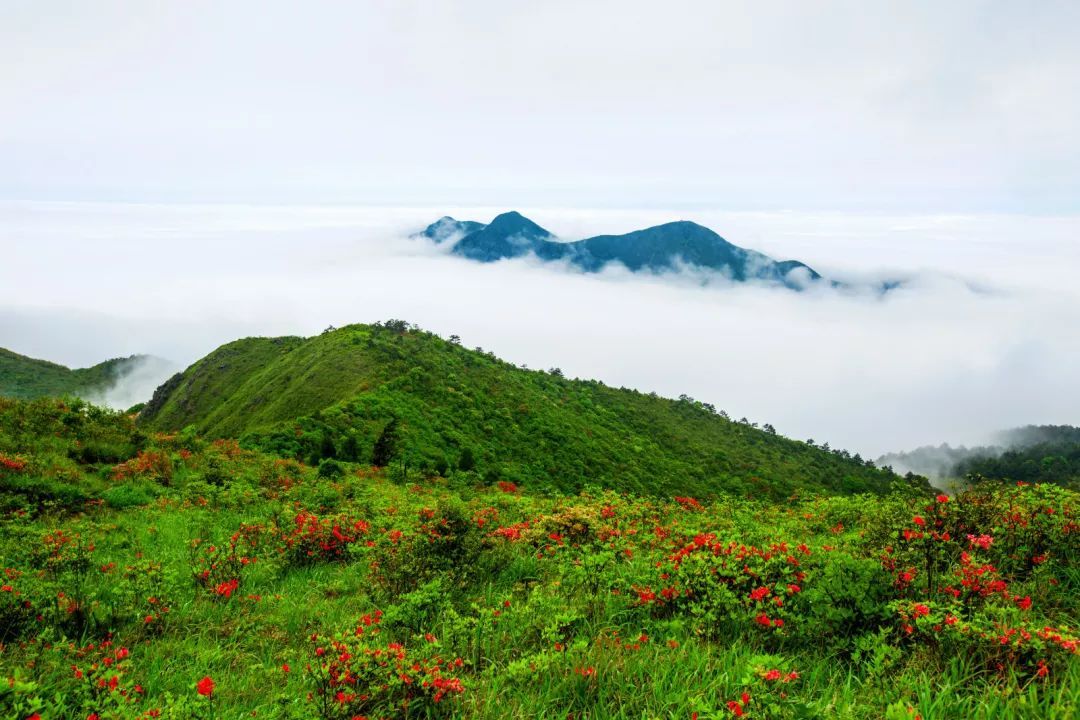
(127, 495)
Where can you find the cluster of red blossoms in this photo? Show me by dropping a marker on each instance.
(738, 707)
(152, 463)
(13, 464)
(311, 538)
(354, 674)
(775, 675)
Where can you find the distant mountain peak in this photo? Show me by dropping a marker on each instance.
(661, 248)
(447, 228)
(514, 221)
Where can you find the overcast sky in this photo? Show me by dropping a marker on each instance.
(916, 106)
(177, 175)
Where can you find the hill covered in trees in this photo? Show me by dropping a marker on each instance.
(389, 394)
(26, 378)
(1033, 453)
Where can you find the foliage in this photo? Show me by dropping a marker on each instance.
(28, 378)
(240, 583)
(393, 395)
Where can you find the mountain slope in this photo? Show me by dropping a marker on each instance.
(28, 378)
(655, 249)
(334, 395)
(1033, 453)
(508, 235)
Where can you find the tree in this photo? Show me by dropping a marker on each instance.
(386, 447)
(350, 450)
(455, 339)
(326, 447)
(466, 462)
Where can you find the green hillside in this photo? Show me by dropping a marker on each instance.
(439, 408)
(27, 378)
(168, 576)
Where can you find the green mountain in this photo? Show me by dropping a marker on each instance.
(392, 394)
(27, 378)
(656, 249)
(1032, 454)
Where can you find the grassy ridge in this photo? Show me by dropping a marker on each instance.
(27, 378)
(333, 395)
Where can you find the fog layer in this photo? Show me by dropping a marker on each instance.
(982, 337)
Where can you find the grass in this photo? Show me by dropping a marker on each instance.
(332, 396)
(597, 604)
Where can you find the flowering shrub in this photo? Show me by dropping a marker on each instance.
(18, 610)
(355, 674)
(12, 463)
(310, 539)
(155, 465)
(219, 568)
(514, 604)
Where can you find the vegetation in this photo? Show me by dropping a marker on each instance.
(1033, 453)
(1048, 453)
(168, 575)
(454, 409)
(27, 378)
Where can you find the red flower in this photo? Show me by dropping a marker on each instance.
(920, 610)
(918, 520)
(1024, 603)
(735, 708)
(759, 594)
(205, 687)
(227, 588)
(943, 498)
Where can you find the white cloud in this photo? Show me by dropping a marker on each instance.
(934, 362)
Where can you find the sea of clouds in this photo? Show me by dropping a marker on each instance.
(984, 335)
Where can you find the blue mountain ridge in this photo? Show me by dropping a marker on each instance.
(655, 249)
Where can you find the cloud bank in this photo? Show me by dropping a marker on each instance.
(981, 338)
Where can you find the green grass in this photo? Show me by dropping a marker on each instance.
(331, 396)
(547, 622)
(27, 378)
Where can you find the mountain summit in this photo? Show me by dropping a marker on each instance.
(655, 249)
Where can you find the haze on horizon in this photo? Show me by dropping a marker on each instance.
(179, 174)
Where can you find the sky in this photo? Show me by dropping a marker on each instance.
(915, 107)
(174, 175)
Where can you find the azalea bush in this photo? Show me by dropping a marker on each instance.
(245, 585)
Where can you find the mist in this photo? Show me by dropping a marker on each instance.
(980, 338)
(134, 383)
